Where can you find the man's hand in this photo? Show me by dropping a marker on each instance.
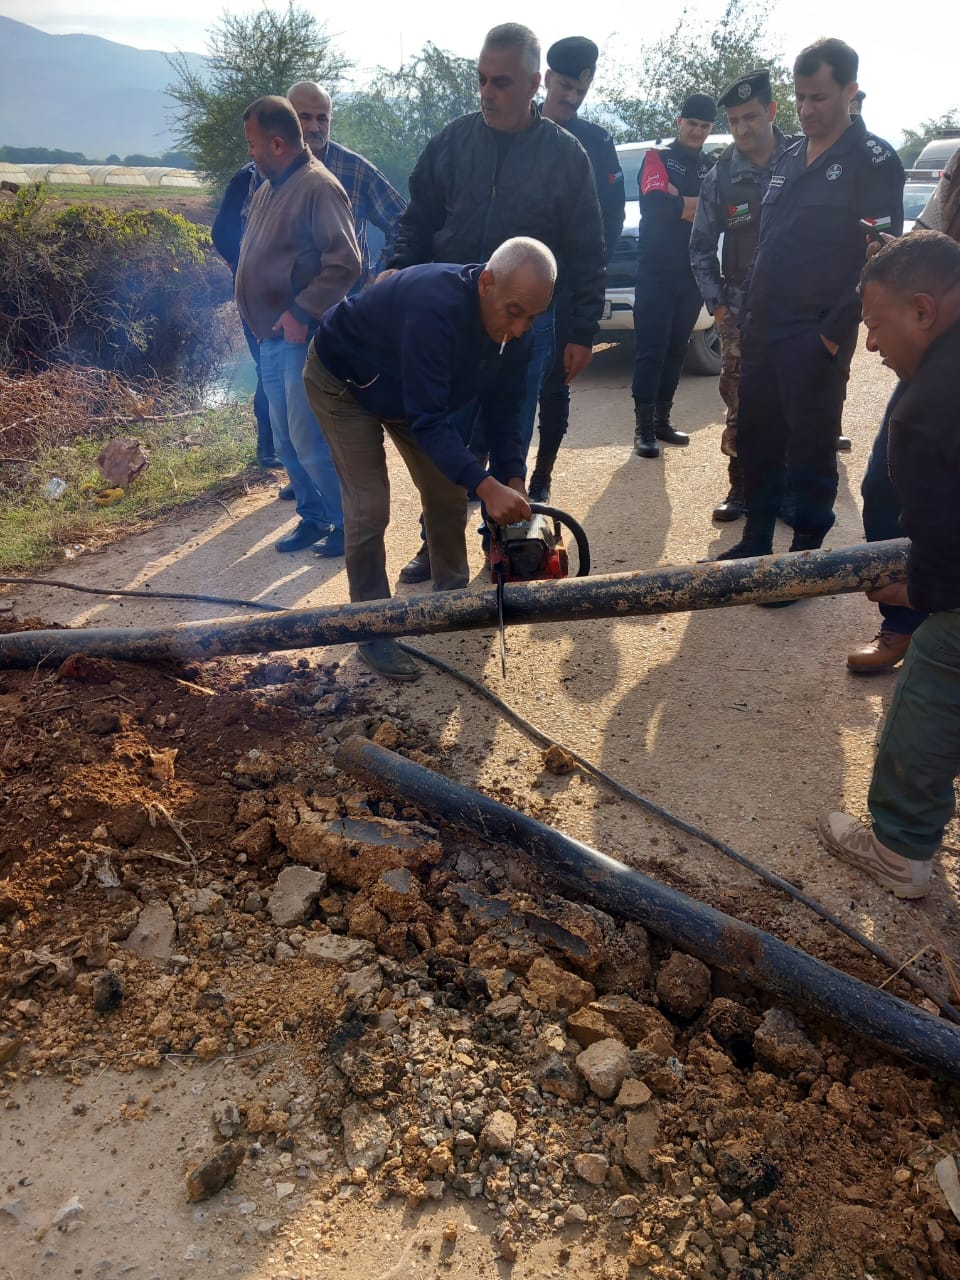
(575, 360)
(294, 330)
(720, 313)
(832, 347)
(874, 246)
(504, 503)
(385, 275)
(689, 208)
(896, 593)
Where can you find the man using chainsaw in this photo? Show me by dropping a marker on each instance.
(401, 359)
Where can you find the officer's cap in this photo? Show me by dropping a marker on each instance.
(699, 106)
(747, 89)
(573, 56)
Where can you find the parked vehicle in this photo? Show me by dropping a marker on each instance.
(703, 355)
(936, 154)
(920, 186)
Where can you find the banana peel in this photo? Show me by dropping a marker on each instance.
(103, 497)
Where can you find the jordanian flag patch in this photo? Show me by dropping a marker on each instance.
(881, 224)
(737, 214)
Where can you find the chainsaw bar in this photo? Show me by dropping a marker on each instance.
(503, 641)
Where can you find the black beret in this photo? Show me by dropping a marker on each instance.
(745, 88)
(699, 106)
(572, 56)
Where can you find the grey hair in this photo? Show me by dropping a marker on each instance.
(308, 84)
(514, 35)
(522, 251)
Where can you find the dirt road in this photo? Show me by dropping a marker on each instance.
(744, 721)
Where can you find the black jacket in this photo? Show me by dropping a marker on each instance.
(812, 248)
(663, 239)
(924, 455)
(227, 230)
(607, 176)
(464, 204)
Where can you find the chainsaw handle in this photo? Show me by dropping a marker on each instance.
(579, 537)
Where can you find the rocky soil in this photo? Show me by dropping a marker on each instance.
(370, 1011)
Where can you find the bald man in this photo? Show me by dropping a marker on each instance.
(400, 359)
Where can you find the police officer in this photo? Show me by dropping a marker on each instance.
(803, 311)
(667, 299)
(730, 208)
(571, 66)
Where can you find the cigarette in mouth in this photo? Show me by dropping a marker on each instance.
(503, 343)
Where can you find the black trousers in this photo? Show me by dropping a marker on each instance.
(665, 309)
(791, 405)
(554, 392)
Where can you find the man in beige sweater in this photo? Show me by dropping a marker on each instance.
(298, 257)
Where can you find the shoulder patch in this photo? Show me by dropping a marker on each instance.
(778, 180)
(879, 151)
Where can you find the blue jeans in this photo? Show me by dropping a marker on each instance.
(881, 516)
(297, 435)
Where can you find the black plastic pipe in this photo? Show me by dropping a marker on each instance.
(719, 939)
(713, 585)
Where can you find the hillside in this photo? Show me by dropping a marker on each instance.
(82, 93)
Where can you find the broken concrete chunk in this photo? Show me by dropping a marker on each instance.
(366, 1136)
(499, 1133)
(332, 948)
(357, 850)
(295, 895)
(591, 1167)
(154, 933)
(782, 1044)
(587, 1026)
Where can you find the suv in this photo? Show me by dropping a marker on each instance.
(703, 355)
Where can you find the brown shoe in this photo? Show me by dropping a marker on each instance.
(417, 569)
(884, 651)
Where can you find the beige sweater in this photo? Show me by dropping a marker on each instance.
(299, 249)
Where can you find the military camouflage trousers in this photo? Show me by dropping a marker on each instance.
(729, 381)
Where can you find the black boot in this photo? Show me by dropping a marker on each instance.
(266, 451)
(731, 508)
(664, 427)
(644, 435)
(806, 541)
(538, 489)
(757, 540)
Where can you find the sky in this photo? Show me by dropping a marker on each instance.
(908, 69)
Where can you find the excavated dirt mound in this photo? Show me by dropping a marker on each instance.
(188, 877)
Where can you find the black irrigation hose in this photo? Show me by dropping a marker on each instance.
(777, 882)
(144, 595)
(749, 953)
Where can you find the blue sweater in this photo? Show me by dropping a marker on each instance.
(413, 348)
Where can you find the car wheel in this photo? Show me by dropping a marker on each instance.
(703, 353)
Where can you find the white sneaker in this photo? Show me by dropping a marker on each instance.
(855, 843)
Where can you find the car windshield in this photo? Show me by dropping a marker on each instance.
(915, 197)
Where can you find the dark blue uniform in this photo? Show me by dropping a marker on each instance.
(554, 391)
(667, 298)
(803, 287)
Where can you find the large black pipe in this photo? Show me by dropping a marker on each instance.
(719, 939)
(672, 590)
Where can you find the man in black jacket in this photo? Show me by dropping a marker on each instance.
(911, 308)
(571, 66)
(501, 172)
(666, 298)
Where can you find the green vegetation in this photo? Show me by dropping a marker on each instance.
(189, 457)
(138, 292)
(249, 55)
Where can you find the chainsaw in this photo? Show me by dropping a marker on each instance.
(532, 551)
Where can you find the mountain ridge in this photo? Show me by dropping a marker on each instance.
(84, 93)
